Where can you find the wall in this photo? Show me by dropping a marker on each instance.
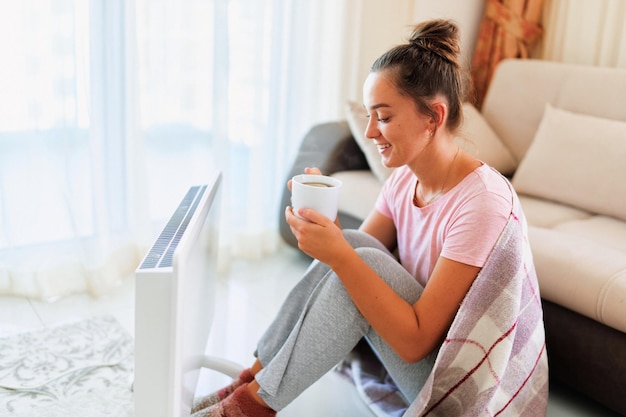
(374, 28)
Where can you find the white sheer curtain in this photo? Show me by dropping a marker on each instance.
(63, 222)
(112, 108)
(585, 32)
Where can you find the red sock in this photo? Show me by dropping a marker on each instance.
(244, 377)
(207, 401)
(242, 404)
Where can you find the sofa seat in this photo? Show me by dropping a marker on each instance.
(580, 259)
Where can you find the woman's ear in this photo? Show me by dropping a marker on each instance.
(441, 111)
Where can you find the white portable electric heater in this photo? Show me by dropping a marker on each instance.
(174, 299)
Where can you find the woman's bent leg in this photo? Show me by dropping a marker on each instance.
(327, 330)
(409, 377)
(289, 313)
(292, 308)
(329, 327)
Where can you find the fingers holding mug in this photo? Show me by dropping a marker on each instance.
(312, 171)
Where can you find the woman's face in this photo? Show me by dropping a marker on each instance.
(397, 128)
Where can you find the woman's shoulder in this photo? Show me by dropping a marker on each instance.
(486, 190)
(489, 180)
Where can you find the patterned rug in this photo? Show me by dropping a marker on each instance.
(82, 368)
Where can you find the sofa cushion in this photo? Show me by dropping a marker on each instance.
(478, 139)
(604, 230)
(580, 259)
(359, 192)
(544, 213)
(577, 160)
(357, 120)
(580, 274)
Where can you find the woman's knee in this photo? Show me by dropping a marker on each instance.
(376, 257)
(392, 272)
(359, 239)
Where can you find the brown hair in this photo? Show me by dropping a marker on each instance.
(428, 65)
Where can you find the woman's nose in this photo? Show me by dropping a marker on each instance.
(371, 130)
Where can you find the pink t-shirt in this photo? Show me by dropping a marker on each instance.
(462, 225)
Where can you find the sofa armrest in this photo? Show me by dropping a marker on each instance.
(329, 147)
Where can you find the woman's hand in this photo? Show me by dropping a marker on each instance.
(317, 236)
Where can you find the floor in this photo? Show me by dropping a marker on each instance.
(249, 294)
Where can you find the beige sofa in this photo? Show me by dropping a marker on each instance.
(559, 132)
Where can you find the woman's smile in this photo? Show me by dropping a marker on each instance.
(383, 147)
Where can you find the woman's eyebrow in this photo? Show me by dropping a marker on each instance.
(379, 105)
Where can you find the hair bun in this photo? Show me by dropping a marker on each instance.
(438, 36)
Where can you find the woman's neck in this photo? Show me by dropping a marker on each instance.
(434, 162)
(440, 167)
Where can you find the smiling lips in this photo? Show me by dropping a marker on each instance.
(383, 146)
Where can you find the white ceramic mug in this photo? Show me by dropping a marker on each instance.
(317, 192)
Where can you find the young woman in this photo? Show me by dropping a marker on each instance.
(441, 209)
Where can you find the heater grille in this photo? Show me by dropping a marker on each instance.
(161, 254)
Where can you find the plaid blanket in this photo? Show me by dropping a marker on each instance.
(493, 360)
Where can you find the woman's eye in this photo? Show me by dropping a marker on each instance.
(379, 119)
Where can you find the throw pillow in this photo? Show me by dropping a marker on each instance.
(578, 160)
(357, 120)
(479, 140)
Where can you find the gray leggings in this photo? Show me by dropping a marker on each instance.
(318, 325)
